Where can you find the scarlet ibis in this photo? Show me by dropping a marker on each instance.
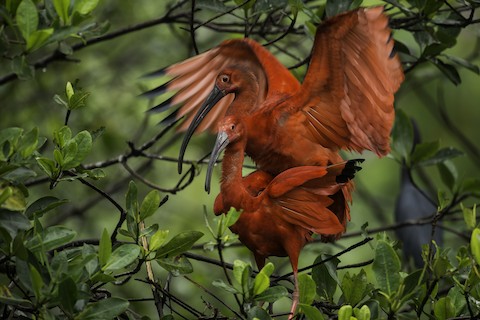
(344, 102)
(279, 213)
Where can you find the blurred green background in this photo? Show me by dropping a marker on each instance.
(112, 72)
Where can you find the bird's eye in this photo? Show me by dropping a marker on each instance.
(225, 78)
(232, 127)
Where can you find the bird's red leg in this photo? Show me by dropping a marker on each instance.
(295, 295)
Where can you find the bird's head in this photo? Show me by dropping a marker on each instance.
(234, 79)
(230, 131)
(231, 79)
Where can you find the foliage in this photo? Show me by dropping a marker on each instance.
(51, 267)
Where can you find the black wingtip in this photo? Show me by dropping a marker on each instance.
(170, 119)
(349, 171)
(156, 73)
(155, 92)
(165, 105)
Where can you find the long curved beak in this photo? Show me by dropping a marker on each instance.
(212, 99)
(220, 144)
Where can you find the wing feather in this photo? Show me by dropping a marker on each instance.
(193, 79)
(348, 92)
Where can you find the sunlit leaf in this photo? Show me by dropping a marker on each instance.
(149, 204)
(104, 248)
(345, 312)
(38, 38)
(306, 288)
(61, 7)
(444, 309)
(27, 18)
(85, 7)
(475, 244)
(362, 313)
(260, 283)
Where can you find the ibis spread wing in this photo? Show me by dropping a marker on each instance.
(193, 79)
(348, 92)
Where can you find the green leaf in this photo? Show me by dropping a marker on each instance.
(22, 68)
(15, 200)
(28, 143)
(386, 267)
(257, 313)
(238, 268)
(306, 288)
(464, 63)
(149, 204)
(51, 238)
(43, 205)
(268, 269)
(402, 136)
(12, 222)
(448, 174)
(104, 248)
(69, 92)
(338, 6)
(61, 7)
(158, 239)
(131, 200)
(260, 284)
(78, 100)
(441, 155)
(47, 165)
(363, 313)
(14, 301)
(345, 312)
(84, 144)
(27, 18)
(310, 312)
(354, 287)
(84, 7)
(106, 309)
(424, 151)
(5, 194)
(179, 244)
(469, 216)
(444, 309)
(449, 71)
(38, 38)
(67, 293)
(176, 265)
(121, 257)
(222, 285)
(272, 294)
(37, 281)
(62, 136)
(475, 245)
(325, 277)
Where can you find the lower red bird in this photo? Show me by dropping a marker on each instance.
(283, 212)
(280, 213)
